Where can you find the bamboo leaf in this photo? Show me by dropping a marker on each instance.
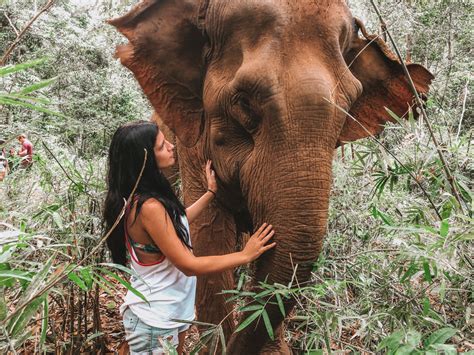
(7, 101)
(445, 349)
(263, 293)
(241, 281)
(3, 304)
(14, 274)
(17, 96)
(4, 257)
(252, 307)
(268, 325)
(249, 320)
(427, 271)
(57, 220)
(392, 114)
(392, 341)
(126, 270)
(77, 280)
(280, 304)
(203, 341)
(44, 323)
(8, 69)
(37, 281)
(104, 284)
(440, 336)
(87, 277)
(18, 323)
(444, 228)
(222, 339)
(93, 336)
(37, 86)
(124, 283)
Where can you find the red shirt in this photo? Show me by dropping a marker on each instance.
(29, 150)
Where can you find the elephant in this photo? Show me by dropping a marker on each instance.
(266, 89)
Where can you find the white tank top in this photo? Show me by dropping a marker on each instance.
(170, 293)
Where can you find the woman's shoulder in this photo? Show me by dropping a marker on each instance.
(153, 208)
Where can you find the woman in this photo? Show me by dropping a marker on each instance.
(155, 232)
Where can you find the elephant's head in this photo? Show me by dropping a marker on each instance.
(259, 86)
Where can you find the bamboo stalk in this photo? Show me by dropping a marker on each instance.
(420, 106)
(98, 346)
(71, 320)
(86, 329)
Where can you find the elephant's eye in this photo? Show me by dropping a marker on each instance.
(245, 112)
(244, 102)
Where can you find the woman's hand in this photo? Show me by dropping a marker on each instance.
(256, 244)
(211, 178)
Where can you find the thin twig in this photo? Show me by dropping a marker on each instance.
(11, 24)
(393, 155)
(45, 8)
(420, 106)
(60, 277)
(466, 91)
(65, 172)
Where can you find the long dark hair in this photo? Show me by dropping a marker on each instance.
(126, 154)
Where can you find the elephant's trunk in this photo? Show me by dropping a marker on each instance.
(294, 198)
(294, 195)
(298, 212)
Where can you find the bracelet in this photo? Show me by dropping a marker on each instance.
(212, 192)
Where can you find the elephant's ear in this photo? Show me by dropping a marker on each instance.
(165, 55)
(384, 86)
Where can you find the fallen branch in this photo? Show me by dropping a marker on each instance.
(20, 35)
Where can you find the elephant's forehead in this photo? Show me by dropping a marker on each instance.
(260, 14)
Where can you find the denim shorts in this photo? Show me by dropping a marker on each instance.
(144, 339)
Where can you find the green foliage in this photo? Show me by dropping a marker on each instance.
(401, 342)
(90, 87)
(22, 97)
(393, 277)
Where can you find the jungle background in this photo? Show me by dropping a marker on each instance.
(395, 275)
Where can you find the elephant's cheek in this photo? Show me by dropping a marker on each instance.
(230, 145)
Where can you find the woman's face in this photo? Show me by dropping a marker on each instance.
(164, 152)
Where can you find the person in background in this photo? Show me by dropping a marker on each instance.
(3, 161)
(26, 151)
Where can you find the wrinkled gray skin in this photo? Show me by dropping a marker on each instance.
(252, 85)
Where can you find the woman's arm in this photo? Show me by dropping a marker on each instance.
(193, 211)
(159, 226)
